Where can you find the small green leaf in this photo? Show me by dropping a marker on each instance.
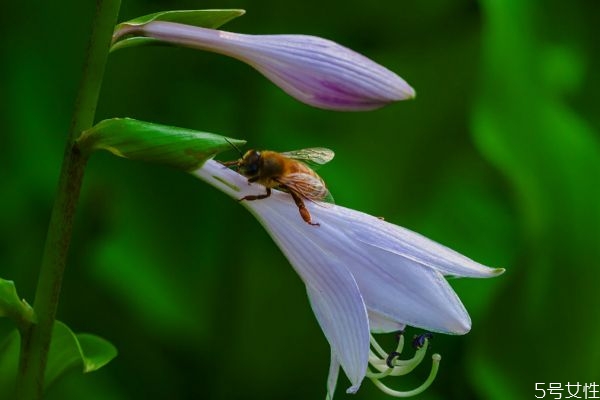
(204, 18)
(134, 42)
(139, 140)
(97, 352)
(69, 350)
(13, 307)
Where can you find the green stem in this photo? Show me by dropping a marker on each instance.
(35, 340)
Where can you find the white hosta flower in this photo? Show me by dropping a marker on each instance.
(311, 69)
(362, 275)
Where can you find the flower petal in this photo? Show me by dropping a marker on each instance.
(406, 243)
(379, 323)
(332, 377)
(394, 286)
(405, 287)
(407, 292)
(354, 262)
(345, 332)
(314, 70)
(332, 290)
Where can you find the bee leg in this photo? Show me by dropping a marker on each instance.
(303, 210)
(257, 197)
(229, 163)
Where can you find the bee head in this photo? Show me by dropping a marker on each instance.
(249, 164)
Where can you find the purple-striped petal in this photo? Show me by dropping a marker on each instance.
(379, 323)
(332, 376)
(333, 293)
(314, 70)
(411, 245)
(394, 286)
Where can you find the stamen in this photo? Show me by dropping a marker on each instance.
(382, 354)
(377, 347)
(403, 367)
(391, 365)
(398, 367)
(400, 338)
(378, 375)
(390, 359)
(376, 361)
(436, 358)
(420, 340)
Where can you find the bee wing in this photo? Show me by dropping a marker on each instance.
(314, 157)
(307, 186)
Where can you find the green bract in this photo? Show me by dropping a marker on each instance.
(139, 140)
(67, 351)
(203, 18)
(13, 307)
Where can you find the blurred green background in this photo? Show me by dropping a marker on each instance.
(498, 158)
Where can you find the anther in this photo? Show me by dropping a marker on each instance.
(419, 340)
(390, 359)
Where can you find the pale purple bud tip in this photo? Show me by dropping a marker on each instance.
(316, 71)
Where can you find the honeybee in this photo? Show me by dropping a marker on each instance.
(289, 172)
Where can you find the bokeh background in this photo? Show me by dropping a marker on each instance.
(498, 158)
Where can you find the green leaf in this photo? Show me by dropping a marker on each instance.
(67, 351)
(97, 352)
(139, 140)
(135, 41)
(204, 18)
(13, 307)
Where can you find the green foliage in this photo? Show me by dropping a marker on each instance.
(203, 18)
(68, 351)
(139, 140)
(550, 156)
(12, 306)
(9, 360)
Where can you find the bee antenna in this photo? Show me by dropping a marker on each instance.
(235, 147)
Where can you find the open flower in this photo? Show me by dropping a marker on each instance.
(362, 275)
(315, 71)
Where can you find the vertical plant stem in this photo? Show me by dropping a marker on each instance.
(35, 340)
